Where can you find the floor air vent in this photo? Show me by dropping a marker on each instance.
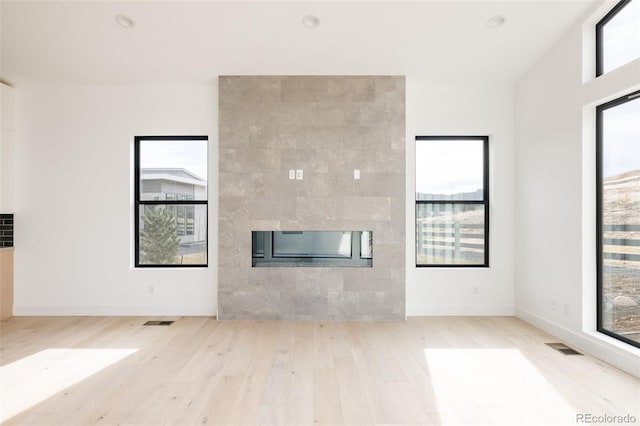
(158, 323)
(561, 347)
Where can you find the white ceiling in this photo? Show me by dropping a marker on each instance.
(178, 42)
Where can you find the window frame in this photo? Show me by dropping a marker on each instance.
(599, 39)
(174, 202)
(599, 213)
(484, 202)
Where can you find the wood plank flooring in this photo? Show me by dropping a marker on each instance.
(424, 371)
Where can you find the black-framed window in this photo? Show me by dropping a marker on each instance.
(618, 36)
(618, 218)
(452, 201)
(171, 201)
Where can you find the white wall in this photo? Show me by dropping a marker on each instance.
(73, 200)
(435, 109)
(7, 138)
(555, 198)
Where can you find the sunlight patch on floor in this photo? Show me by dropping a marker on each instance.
(494, 386)
(33, 379)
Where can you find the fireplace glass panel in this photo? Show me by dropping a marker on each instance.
(312, 248)
(312, 244)
(366, 242)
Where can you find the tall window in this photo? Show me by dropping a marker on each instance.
(618, 36)
(452, 201)
(171, 201)
(618, 217)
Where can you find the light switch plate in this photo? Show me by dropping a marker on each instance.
(356, 173)
(292, 174)
(299, 174)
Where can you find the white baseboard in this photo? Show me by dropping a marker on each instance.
(461, 310)
(608, 349)
(167, 311)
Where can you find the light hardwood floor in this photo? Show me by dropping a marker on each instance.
(424, 371)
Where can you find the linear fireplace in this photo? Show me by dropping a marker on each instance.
(312, 248)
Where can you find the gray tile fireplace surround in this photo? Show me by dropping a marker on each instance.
(326, 126)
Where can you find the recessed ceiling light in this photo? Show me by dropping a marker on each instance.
(496, 21)
(310, 21)
(124, 21)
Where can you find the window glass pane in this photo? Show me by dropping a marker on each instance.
(190, 220)
(621, 37)
(167, 237)
(173, 170)
(449, 169)
(180, 222)
(620, 218)
(450, 234)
